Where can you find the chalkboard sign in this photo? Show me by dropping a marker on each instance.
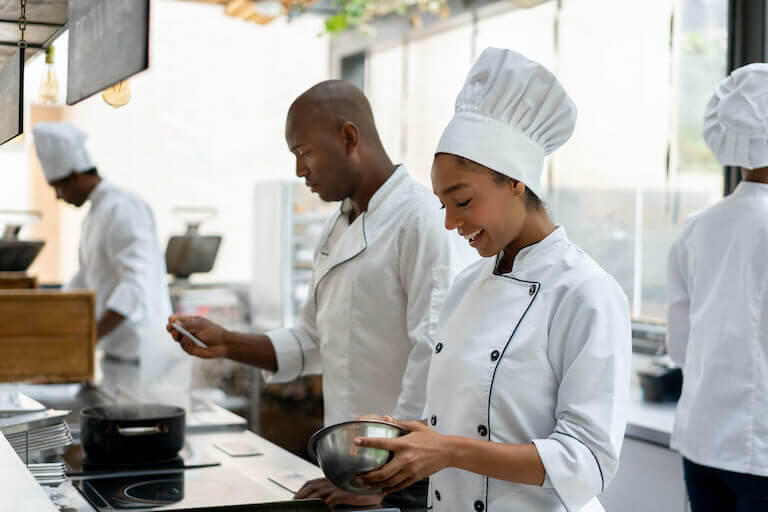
(11, 90)
(108, 42)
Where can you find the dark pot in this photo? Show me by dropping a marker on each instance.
(118, 434)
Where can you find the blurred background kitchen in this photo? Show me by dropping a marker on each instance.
(201, 140)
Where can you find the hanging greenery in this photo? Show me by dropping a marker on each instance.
(356, 14)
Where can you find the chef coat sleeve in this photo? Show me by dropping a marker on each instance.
(77, 282)
(429, 257)
(590, 349)
(131, 248)
(296, 348)
(678, 301)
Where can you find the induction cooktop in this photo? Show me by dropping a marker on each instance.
(212, 489)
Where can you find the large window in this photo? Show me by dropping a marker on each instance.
(640, 75)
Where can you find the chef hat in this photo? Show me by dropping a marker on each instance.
(736, 118)
(60, 149)
(510, 113)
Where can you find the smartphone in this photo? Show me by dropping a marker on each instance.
(189, 335)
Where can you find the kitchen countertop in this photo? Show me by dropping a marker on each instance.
(648, 421)
(20, 491)
(274, 461)
(204, 416)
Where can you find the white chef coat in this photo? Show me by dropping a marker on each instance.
(541, 354)
(378, 286)
(717, 331)
(121, 260)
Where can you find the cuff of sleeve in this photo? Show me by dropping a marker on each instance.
(410, 413)
(565, 472)
(126, 301)
(289, 354)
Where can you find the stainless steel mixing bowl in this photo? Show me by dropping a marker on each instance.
(341, 460)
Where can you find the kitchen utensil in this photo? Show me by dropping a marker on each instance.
(132, 433)
(192, 252)
(18, 255)
(342, 461)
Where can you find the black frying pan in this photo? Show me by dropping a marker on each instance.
(118, 434)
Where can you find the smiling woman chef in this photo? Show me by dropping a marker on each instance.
(529, 380)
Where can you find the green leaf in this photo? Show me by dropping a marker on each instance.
(336, 23)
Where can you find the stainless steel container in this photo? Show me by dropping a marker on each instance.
(342, 461)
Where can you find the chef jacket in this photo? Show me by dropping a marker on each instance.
(379, 283)
(717, 332)
(540, 354)
(121, 260)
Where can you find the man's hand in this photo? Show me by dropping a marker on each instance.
(108, 322)
(206, 331)
(323, 489)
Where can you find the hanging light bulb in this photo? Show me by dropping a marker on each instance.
(49, 86)
(118, 95)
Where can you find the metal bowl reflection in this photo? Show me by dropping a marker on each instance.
(341, 460)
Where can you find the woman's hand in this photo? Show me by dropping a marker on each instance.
(420, 453)
(377, 417)
(206, 331)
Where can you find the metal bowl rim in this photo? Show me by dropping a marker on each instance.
(311, 445)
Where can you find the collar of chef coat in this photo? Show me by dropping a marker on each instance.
(99, 192)
(379, 206)
(378, 215)
(528, 256)
(366, 226)
(750, 188)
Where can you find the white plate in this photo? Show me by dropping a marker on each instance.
(13, 402)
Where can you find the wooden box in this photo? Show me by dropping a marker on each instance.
(46, 335)
(17, 281)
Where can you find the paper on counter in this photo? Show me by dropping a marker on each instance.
(291, 481)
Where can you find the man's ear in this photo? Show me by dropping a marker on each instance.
(350, 136)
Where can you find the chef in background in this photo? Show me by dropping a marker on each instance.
(717, 324)
(121, 261)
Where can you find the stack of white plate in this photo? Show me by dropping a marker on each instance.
(38, 435)
(50, 473)
(41, 442)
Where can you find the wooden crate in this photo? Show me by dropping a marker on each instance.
(17, 281)
(46, 335)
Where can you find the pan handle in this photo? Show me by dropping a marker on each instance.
(140, 431)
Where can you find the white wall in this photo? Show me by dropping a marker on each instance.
(205, 122)
(13, 178)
